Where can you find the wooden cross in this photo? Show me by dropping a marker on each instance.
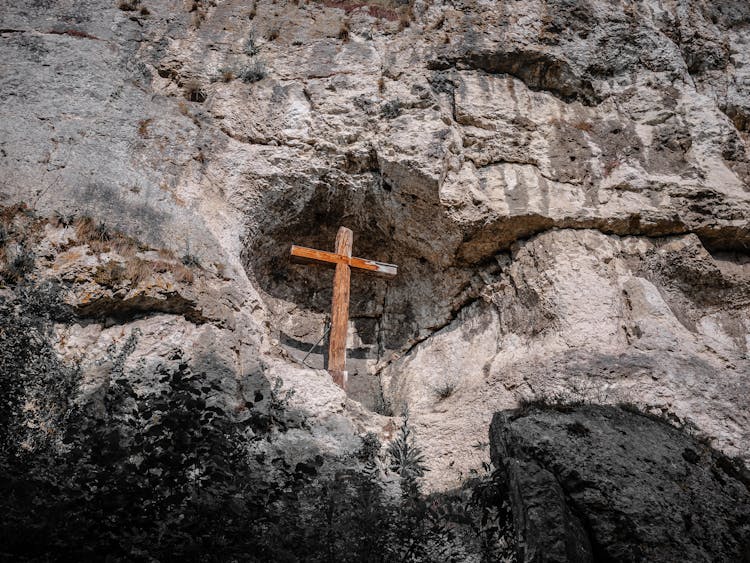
(343, 260)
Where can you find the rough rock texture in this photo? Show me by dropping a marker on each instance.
(593, 483)
(564, 186)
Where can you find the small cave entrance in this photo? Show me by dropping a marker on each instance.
(386, 316)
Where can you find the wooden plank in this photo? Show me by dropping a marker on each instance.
(313, 256)
(340, 307)
(378, 268)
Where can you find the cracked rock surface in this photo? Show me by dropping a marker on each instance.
(597, 483)
(565, 187)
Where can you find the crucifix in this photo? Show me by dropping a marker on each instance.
(343, 260)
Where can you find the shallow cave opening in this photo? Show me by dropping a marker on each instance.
(387, 316)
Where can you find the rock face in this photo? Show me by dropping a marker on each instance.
(593, 483)
(564, 186)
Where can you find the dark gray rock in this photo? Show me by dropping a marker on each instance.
(601, 483)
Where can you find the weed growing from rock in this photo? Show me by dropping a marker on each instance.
(254, 72)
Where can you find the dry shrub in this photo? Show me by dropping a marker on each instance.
(583, 126)
(194, 91)
(88, 230)
(274, 33)
(138, 270)
(404, 20)
(344, 31)
(166, 254)
(161, 266)
(125, 246)
(110, 274)
(609, 166)
(183, 274)
(143, 127)
(220, 269)
(128, 5)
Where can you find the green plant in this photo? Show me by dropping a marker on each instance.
(406, 457)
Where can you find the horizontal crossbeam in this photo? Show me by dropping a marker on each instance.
(311, 255)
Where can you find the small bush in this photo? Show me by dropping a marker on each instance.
(183, 274)
(194, 92)
(391, 109)
(445, 388)
(250, 49)
(226, 74)
(190, 260)
(138, 270)
(344, 31)
(20, 265)
(143, 127)
(253, 73)
(60, 219)
(110, 274)
(129, 5)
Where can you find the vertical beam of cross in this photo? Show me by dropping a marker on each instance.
(340, 309)
(344, 261)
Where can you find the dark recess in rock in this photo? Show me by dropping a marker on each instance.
(538, 70)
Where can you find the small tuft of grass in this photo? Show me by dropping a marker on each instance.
(610, 165)
(253, 73)
(190, 260)
(110, 274)
(143, 127)
(404, 20)
(344, 31)
(194, 91)
(250, 48)
(226, 74)
(445, 389)
(20, 265)
(138, 270)
(166, 254)
(128, 5)
(183, 274)
(583, 126)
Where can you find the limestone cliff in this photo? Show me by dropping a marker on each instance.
(565, 186)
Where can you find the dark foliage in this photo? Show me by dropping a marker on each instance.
(154, 466)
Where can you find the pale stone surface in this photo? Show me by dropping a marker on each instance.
(564, 188)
